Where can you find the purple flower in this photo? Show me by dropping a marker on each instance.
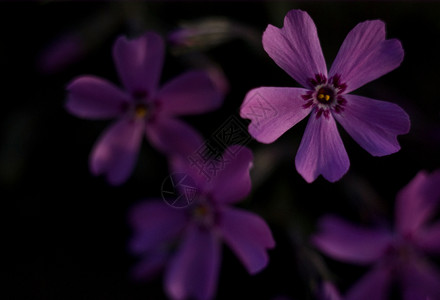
(191, 271)
(397, 256)
(141, 107)
(364, 56)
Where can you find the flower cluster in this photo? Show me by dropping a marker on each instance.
(182, 237)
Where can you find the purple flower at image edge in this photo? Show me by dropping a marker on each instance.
(365, 55)
(397, 256)
(141, 107)
(192, 268)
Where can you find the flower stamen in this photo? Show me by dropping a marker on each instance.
(140, 111)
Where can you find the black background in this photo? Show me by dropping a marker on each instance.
(66, 230)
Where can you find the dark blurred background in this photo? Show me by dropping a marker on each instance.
(67, 231)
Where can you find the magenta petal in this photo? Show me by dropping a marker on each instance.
(173, 137)
(191, 93)
(193, 272)
(365, 55)
(233, 183)
(321, 151)
(347, 242)
(415, 203)
(139, 62)
(248, 236)
(153, 223)
(374, 285)
(428, 238)
(295, 48)
(115, 153)
(374, 124)
(95, 98)
(273, 111)
(420, 280)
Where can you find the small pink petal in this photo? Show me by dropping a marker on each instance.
(193, 272)
(153, 223)
(347, 242)
(115, 152)
(273, 111)
(295, 48)
(374, 124)
(365, 55)
(95, 98)
(139, 62)
(415, 203)
(374, 285)
(173, 137)
(191, 93)
(232, 183)
(248, 236)
(321, 151)
(420, 280)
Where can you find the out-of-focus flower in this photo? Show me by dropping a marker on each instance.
(142, 107)
(364, 56)
(397, 256)
(187, 242)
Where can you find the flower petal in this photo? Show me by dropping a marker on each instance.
(248, 236)
(233, 182)
(374, 124)
(365, 55)
(95, 98)
(190, 93)
(153, 223)
(374, 285)
(429, 238)
(347, 242)
(115, 153)
(321, 151)
(415, 203)
(139, 62)
(273, 111)
(193, 272)
(295, 48)
(173, 137)
(420, 280)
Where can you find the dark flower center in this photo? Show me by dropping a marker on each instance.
(140, 110)
(204, 214)
(325, 95)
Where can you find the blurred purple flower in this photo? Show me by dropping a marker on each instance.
(192, 270)
(364, 56)
(141, 107)
(397, 256)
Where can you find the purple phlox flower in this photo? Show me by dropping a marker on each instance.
(364, 56)
(186, 242)
(141, 107)
(397, 256)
